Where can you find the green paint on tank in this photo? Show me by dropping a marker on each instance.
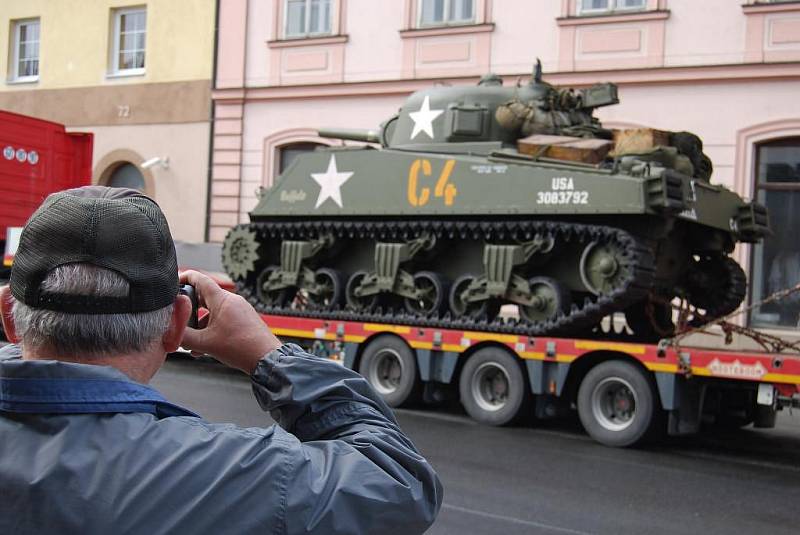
(440, 217)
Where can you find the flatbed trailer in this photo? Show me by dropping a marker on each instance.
(624, 393)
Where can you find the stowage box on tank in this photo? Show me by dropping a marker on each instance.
(475, 197)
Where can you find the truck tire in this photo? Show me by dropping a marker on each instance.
(618, 404)
(390, 367)
(493, 387)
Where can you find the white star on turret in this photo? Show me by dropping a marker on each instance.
(423, 118)
(330, 183)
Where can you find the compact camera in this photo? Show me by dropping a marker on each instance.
(189, 291)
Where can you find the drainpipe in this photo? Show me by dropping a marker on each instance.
(211, 130)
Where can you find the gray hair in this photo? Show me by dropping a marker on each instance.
(88, 334)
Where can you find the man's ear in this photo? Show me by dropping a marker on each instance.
(6, 306)
(177, 324)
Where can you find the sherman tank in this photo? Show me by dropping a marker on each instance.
(475, 197)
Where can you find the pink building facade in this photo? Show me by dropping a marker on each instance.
(727, 70)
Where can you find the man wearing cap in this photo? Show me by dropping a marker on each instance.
(87, 447)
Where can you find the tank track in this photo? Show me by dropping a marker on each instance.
(637, 255)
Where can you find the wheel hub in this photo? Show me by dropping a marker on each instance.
(386, 371)
(601, 268)
(490, 386)
(614, 403)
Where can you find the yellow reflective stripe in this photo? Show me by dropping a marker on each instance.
(301, 334)
(538, 355)
(661, 367)
(354, 338)
(610, 346)
(781, 378)
(377, 327)
(494, 337)
(453, 348)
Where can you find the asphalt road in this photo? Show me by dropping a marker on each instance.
(554, 479)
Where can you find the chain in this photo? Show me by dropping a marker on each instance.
(769, 342)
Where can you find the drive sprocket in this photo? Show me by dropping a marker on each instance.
(240, 252)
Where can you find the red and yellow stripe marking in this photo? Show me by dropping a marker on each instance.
(562, 350)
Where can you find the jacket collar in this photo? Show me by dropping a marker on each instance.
(55, 387)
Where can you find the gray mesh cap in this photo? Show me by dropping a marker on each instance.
(113, 228)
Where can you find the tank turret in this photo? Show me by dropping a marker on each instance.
(489, 195)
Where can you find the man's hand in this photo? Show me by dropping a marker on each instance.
(232, 331)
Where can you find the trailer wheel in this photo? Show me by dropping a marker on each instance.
(493, 388)
(390, 367)
(617, 404)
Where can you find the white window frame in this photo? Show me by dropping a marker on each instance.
(444, 23)
(612, 8)
(117, 30)
(17, 29)
(307, 23)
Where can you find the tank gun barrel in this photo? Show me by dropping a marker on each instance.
(352, 134)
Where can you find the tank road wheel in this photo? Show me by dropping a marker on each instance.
(389, 366)
(461, 307)
(602, 268)
(330, 289)
(240, 252)
(367, 302)
(273, 298)
(716, 284)
(618, 404)
(432, 297)
(493, 388)
(552, 298)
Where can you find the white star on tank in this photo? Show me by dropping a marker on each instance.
(423, 118)
(330, 183)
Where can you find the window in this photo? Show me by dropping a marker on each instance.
(446, 12)
(287, 153)
(127, 175)
(130, 32)
(776, 262)
(307, 18)
(593, 7)
(25, 60)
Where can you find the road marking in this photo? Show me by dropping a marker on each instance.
(514, 520)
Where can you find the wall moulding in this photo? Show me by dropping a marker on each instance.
(273, 143)
(321, 59)
(310, 41)
(446, 30)
(752, 8)
(747, 139)
(612, 18)
(772, 32)
(463, 48)
(114, 160)
(615, 40)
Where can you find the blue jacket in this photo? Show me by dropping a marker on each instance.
(83, 449)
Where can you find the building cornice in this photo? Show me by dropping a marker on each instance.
(749, 9)
(447, 30)
(612, 18)
(658, 76)
(308, 41)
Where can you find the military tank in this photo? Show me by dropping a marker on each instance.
(471, 198)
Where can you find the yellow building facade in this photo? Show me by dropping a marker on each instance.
(137, 75)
